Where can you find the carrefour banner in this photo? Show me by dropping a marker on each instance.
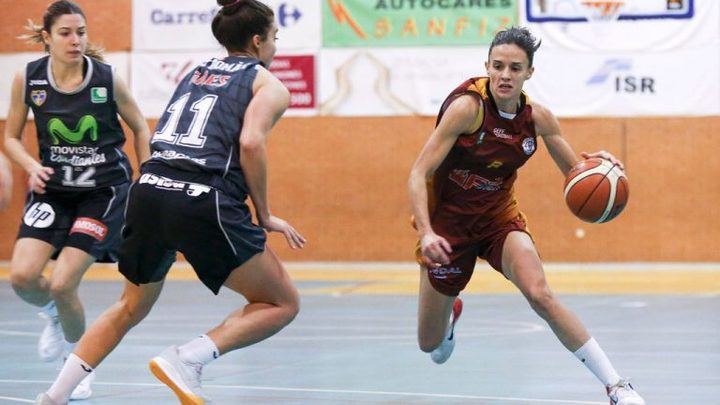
(173, 25)
(393, 81)
(627, 85)
(156, 75)
(348, 23)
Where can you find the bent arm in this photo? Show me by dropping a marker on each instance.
(548, 127)
(459, 118)
(16, 118)
(130, 113)
(269, 102)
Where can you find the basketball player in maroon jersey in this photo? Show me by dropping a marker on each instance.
(464, 207)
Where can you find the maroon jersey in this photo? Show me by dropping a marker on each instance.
(477, 176)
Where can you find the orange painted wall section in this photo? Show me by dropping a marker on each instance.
(342, 183)
(109, 23)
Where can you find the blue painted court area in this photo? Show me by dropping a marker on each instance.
(360, 349)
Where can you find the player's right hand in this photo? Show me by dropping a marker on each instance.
(293, 237)
(37, 178)
(435, 248)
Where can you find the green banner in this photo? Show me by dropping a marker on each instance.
(348, 23)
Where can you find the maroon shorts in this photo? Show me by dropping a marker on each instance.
(487, 244)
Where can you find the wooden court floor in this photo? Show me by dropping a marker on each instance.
(354, 339)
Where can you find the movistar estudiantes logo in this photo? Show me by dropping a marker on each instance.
(58, 130)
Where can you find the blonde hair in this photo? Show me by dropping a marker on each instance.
(34, 36)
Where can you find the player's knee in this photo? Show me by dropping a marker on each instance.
(132, 313)
(62, 290)
(541, 299)
(21, 282)
(291, 309)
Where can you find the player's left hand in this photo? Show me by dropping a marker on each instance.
(293, 237)
(604, 155)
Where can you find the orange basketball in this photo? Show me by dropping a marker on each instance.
(596, 190)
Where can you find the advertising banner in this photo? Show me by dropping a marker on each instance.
(622, 85)
(393, 81)
(640, 26)
(350, 23)
(297, 72)
(184, 25)
(155, 77)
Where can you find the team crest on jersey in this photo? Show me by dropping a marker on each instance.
(38, 97)
(528, 145)
(98, 95)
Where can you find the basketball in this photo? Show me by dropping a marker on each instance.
(596, 190)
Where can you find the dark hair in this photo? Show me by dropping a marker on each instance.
(238, 21)
(53, 12)
(520, 36)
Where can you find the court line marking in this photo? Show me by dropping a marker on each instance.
(337, 391)
(29, 401)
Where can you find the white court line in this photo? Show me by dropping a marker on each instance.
(29, 401)
(338, 391)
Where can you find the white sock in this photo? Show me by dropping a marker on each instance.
(595, 359)
(73, 371)
(201, 350)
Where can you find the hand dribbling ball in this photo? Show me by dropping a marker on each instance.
(596, 190)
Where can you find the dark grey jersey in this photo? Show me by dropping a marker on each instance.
(200, 128)
(79, 134)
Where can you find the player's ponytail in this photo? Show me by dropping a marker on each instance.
(53, 12)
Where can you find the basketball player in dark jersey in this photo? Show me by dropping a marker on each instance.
(208, 155)
(464, 206)
(78, 188)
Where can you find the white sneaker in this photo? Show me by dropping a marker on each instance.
(623, 393)
(443, 352)
(83, 390)
(183, 378)
(44, 399)
(52, 340)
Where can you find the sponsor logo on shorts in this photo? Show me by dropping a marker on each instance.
(39, 215)
(90, 226)
(165, 183)
(528, 145)
(442, 273)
